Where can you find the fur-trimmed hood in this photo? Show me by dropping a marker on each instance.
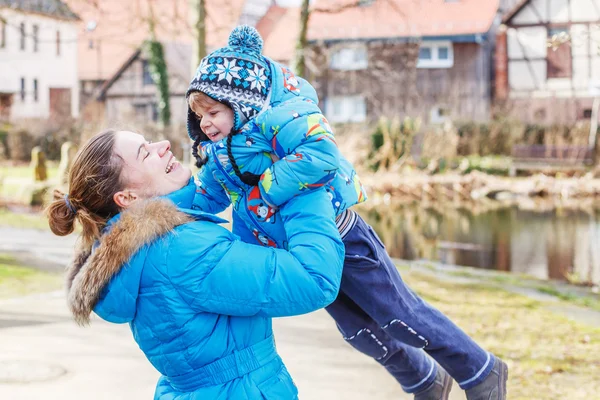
(91, 271)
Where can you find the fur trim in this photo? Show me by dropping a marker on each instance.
(89, 273)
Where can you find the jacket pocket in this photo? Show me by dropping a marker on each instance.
(279, 387)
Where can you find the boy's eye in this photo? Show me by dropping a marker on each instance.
(213, 112)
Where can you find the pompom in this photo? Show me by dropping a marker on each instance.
(246, 36)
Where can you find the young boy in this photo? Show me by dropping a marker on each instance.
(261, 139)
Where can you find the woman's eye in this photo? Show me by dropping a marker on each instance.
(147, 152)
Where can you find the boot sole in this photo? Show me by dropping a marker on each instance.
(447, 387)
(503, 379)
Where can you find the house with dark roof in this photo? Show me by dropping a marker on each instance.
(428, 58)
(548, 60)
(120, 89)
(38, 60)
(130, 96)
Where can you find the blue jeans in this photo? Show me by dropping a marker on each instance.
(383, 318)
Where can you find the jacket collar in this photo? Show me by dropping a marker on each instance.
(93, 268)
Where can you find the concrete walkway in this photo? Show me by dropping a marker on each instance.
(44, 355)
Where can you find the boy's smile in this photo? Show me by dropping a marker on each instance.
(216, 120)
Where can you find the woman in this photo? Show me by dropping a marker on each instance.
(199, 302)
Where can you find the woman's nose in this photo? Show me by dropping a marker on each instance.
(163, 147)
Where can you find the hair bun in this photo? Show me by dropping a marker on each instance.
(246, 36)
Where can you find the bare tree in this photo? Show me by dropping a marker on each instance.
(199, 13)
(158, 69)
(305, 12)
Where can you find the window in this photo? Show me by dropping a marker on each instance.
(58, 43)
(436, 55)
(35, 32)
(146, 75)
(587, 113)
(347, 109)
(22, 30)
(35, 90)
(439, 115)
(558, 58)
(425, 53)
(442, 53)
(2, 34)
(22, 89)
(140, 111)
(350, 58)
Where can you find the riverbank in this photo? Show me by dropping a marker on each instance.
(533, 192)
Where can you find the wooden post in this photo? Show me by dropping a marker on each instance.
(67, 154)
(38, 163)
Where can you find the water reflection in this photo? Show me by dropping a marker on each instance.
(548, 245)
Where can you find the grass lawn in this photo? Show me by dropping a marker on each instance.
(25, 172)
(549, 356)
(17, 280)
(12, 179)
(23, 220)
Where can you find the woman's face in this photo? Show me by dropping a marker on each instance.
(150, 169)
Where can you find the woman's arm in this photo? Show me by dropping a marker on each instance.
(219, 274)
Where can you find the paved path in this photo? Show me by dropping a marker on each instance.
(44, 355)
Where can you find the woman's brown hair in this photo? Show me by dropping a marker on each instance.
(94, 177)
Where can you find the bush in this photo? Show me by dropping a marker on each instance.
(3, 144)
(19, 144)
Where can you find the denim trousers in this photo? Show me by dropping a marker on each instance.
(383, 318)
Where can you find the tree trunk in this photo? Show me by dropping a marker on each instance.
(198, 8)
(299, 61)
(158, 70)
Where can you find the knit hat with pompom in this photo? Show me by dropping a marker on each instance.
(237, 75)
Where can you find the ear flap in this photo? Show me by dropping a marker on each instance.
(193, 127)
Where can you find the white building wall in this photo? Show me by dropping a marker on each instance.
(51, 70)
(585, 10)
(527, 48)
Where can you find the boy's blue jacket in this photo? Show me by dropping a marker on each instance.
(293, 132)
(199, 301)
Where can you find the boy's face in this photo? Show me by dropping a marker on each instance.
(216, 120)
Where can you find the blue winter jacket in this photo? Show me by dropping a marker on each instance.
(199, 301)
(293, 132)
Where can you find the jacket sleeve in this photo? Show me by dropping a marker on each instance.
(308, 154)
(210, 196)
(228, 276)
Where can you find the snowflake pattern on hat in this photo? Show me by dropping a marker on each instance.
(237, 75)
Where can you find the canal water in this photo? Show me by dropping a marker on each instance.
(559, 245)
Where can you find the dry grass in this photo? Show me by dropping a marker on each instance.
(549, 356)
(18, 280)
